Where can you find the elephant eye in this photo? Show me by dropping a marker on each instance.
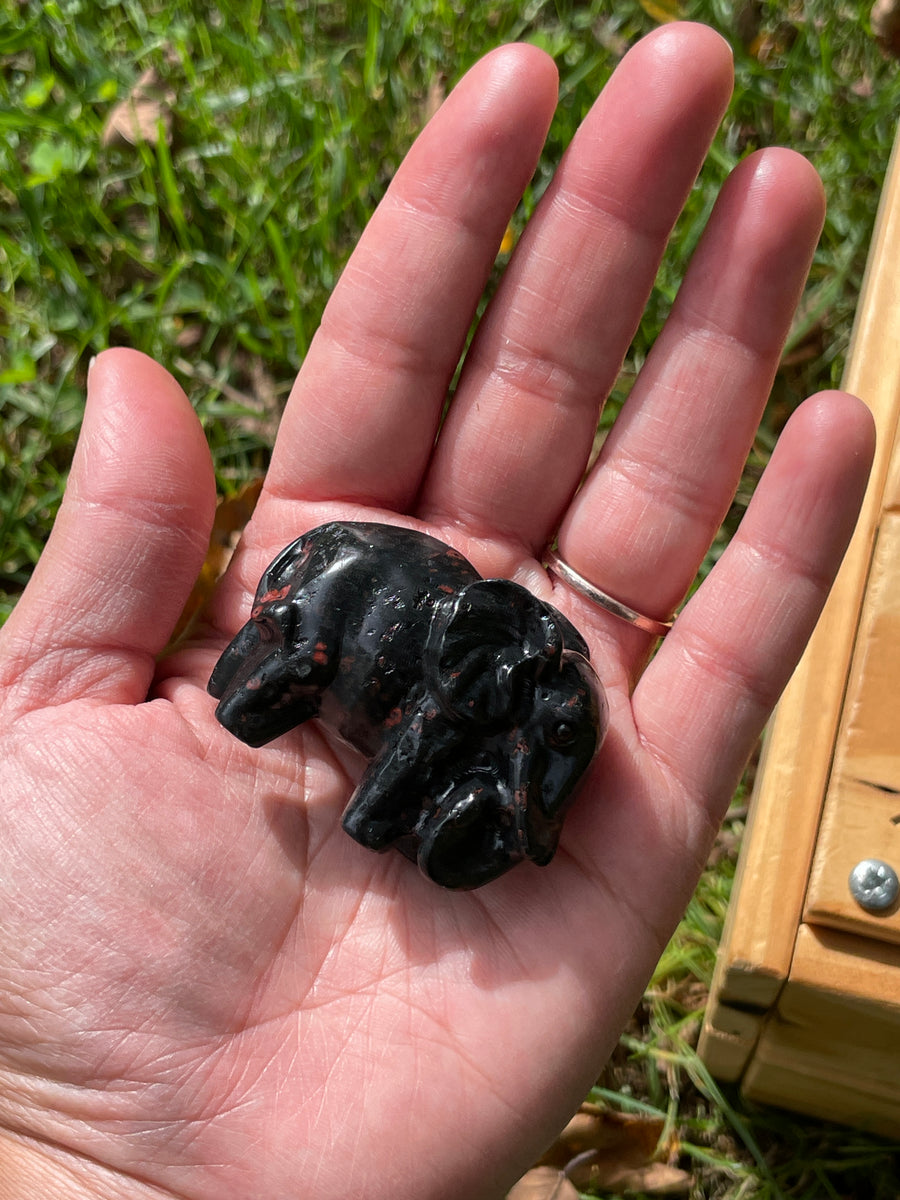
(563, 733)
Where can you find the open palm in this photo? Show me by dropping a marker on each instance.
(207, 990)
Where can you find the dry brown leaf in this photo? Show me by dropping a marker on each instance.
(598, 1172)
(747, 18)
(137, 118)
(437, 93)
(885, 19)
(767, 46)
(634, 1139)
(190, 335)
(543, 1183)
(659, 1179)
(231, 517)
(662, 11)
(615, 1152)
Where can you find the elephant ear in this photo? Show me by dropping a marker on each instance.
(486, 645)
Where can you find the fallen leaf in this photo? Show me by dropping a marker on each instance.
(437, 92)
(190, 335)
(543, 1183)
(659, 1179)
(662, 11)
(231, 517)
(885, 21)
(137, 118)
(597, 1172)
(614, 1152)
(747, 19)
(634, 1138)
(772, 44)
(766, 47)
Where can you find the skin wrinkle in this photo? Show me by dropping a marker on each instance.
(424, 1053)
(597, 208)
(773, 556)
(509, 148)
(99, 816)
(428, 207)
(564, 290)
(692, 367)
(90, 662)
(687, 812)
(343, 944)
(765, 258)
(744, 712)
(517, 445)
(405, 365)
(515, 450)
(633, 451)
(391, 327)
(610, 889)
(527, 373)
(155, 512)
(713, 339)
(617, 175)
(748, 699)
(110, 1184)
(632, 487)
(136, 548)
(77, 1102)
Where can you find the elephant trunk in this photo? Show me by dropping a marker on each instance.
(477, 831)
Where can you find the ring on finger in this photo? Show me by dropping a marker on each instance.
(624, 612)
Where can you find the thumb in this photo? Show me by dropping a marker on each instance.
(128, 542)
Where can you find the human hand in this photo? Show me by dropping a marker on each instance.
(206, 989)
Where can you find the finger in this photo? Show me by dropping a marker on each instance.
(702, 702)
(362, 418)
(521, 426)
(668, 471)
(126, 547)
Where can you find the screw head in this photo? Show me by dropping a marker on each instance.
(874, 885)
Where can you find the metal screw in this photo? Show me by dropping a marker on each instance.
(874, 885)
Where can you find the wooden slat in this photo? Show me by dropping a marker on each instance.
(778, 849)
(728, 1038)
(801, 1077)
(861, 818)
(846, 989)
(832, 1047)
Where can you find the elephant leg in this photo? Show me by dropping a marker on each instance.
(263, 691)
(472, 838)
(410, 769)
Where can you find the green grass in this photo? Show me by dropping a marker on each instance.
(216, 253)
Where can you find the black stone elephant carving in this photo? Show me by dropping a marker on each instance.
(474, 700)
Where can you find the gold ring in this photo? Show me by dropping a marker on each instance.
(554, 563)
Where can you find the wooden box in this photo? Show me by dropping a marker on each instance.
(805, 1005)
